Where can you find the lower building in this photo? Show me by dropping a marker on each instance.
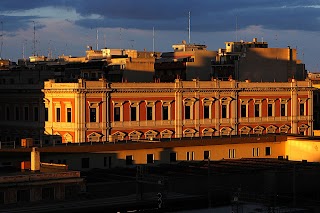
(165, 151)
(38, 182)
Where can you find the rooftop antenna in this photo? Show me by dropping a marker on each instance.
(236, 27)
(120, 39)
(105, 40)
(34, 38)
(1, 40)
(189, 26)
(97, 39)
(153, 40)
(23, 49)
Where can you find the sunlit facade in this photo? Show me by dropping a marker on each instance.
(101, 111)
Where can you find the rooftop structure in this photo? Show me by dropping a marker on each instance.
(188, 61)
(255, 61)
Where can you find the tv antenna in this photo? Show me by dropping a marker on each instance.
(34, 38)
(189, 27)
(1, 40)
(24, 44)
(236, 27)
(153, 40)
(97, 45)
(105, 40)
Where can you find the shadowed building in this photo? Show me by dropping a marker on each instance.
(255, 61)
(187, 62)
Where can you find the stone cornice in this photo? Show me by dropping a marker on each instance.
(172, 90)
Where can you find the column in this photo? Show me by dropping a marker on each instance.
(103, 121)
(294, 107)
(234, 108)
(310, 110)
(196, 110)
(178, 109)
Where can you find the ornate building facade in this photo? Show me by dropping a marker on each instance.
(102, 111)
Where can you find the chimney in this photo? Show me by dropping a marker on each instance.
(35, 159)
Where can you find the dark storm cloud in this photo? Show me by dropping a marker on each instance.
(20, 5)
(207, 15)
(13, 23)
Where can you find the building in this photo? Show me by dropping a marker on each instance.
(38, 182)
(161, 151)
(101, 111)
(187, 62)
(127, 153)
(255, 61)
(22, 112)
(315, 79)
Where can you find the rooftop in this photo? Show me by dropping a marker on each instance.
(147, 144)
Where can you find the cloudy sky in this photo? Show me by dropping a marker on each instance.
(68, 26)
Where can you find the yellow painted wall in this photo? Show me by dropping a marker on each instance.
(303, 149)
(217, 152)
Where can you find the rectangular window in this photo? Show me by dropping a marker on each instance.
(85, 162)
(187, 110)
(206, 112)
(173, 157)
(23, 195)
(232, 153)
(110, 160)
(268, 151)
(105, 161)
(129, 160)
(150, 158)
(257, 110)
(255, 152)
(1, 197)
(133, 111)
(190, 156)
(165, 113)
(35, 114)
(283, 109)
(58, 114)
(17, 114)
(7, 113)
(224, 111)
(302, 109)
(69, 115)
(270, 110)
(26, 113)
(47, 193)
(93, 115)
(116, 114)
(149, 113)
(243, 111)
(46, 114)
(206, 155)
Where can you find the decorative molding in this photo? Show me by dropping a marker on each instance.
(208, 131)
(271, 129)
(245, 130)
(166, 133)
(226, 130)
(258, 130)
(284, 128)
(94, 104)
(135, 135)
(120, 135)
